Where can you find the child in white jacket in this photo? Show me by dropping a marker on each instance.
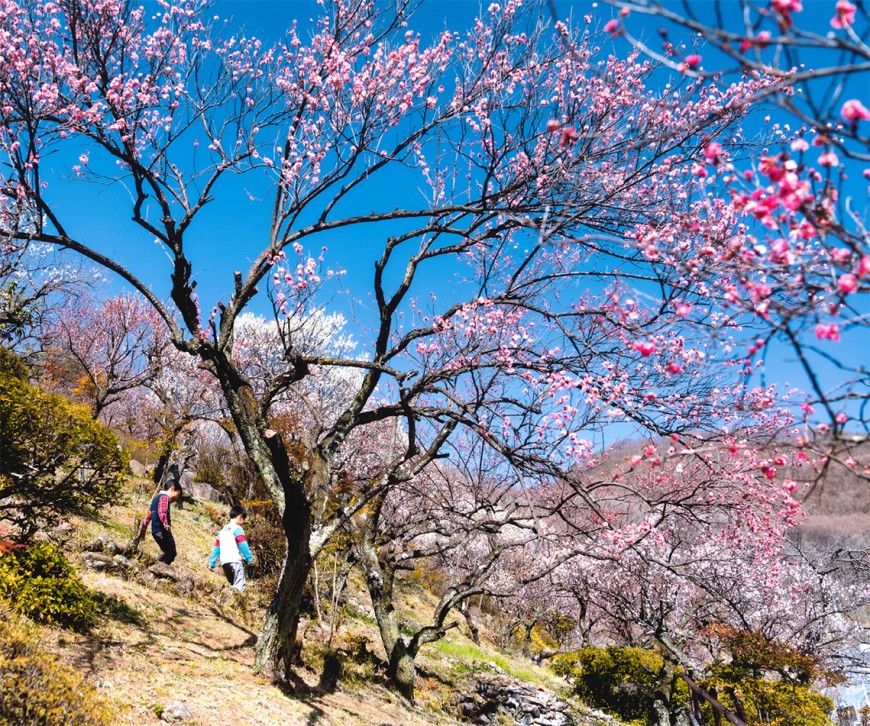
(232, 549)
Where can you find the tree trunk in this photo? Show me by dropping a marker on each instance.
(276, 645)
(400, 668)
(527, 638)
(286, 481)
(465, 609)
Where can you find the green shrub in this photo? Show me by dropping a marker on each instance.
(622, 681)
(56, 458)
(772, 703)
(11, 365)
(769, 681)
(566, 665)
(36, 688)
(41, 584)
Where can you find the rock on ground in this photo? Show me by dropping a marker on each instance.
(175, 711)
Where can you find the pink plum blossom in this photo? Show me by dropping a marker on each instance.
(845, 15)
(569, 136)
(683, 309)
(829, 158)
(829, 331)
(786, 7)
(645, 347)
(712, 152)
(853, 111)
(847, 283)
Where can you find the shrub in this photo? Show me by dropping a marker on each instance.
(560, 627)
(41, 584)
(56, 458)
(772, 703)
(622, 681)
(36, 688)
(770, 681)
(212, 461)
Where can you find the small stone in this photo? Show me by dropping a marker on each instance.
(185, 587)
(98, 562)
(110, 546)
(559, 720)
(161, 569)
(122, 561)
(175, 711)
(62, 532)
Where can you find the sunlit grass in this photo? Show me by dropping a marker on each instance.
(471, 653)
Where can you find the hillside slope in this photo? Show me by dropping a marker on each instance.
(193, 642)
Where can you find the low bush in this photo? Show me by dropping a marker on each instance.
(627, 682)
(624, 682)
(57, 459)
(771, 703)
(38, 689)
(40, 583)
(770, 682)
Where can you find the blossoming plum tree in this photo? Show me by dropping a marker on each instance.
(106, 347)
(801, 253)
(554, 190)
(655, 561)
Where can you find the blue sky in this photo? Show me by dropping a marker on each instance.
(231, 231)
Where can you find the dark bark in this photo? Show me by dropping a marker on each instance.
(400, 667)
(527, 638)
(276, 646)
(331, 674)
(286, 482)
(471, 621)
(710, 697)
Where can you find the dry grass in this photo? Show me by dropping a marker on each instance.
(168, 647)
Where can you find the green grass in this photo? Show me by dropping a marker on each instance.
(469, 652)
(355, 614)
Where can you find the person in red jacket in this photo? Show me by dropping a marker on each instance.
(161, 521)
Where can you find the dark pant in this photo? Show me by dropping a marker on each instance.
(235, 574)
(166, 542)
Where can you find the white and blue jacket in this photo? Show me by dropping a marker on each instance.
(230, 546)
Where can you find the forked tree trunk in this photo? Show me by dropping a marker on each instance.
(400, 667)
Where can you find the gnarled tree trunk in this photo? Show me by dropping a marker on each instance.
(276, 645)
(285, 478)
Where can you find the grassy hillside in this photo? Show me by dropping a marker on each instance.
(194, 642)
